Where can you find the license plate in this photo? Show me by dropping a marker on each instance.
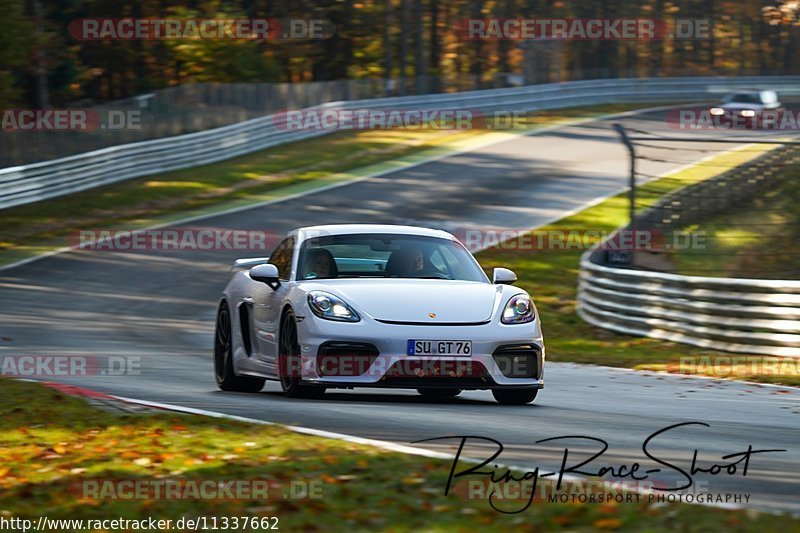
(429, 347)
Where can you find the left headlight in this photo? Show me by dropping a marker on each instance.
(326, 305)
(519, 310)
(749, 113)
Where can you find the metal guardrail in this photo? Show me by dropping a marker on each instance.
(754, 316)
(188, 108)
(39, 181)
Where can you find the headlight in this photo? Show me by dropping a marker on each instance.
(519, 310)
(748, 113)
(326, 305)
(717, 111)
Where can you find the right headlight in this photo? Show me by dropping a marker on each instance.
(326, 305)
(519, 310)
(717, 111)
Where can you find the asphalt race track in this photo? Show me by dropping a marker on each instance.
(161, 306)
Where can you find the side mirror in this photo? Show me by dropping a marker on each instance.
(503, 276)
(267, 273)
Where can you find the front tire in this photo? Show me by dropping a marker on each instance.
(514, 397)
(289, 362)
(439, 394)
(227, 379)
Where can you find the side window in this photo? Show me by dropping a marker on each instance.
(282, 258)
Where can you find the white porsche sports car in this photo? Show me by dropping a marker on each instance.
(347, 306)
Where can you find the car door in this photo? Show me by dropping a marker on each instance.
(265, 306)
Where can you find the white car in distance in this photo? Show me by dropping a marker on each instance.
(747, 104)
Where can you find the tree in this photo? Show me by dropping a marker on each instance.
(404, 30)
(419, 38)
(434, 45)
(387, 43)
(14, 52)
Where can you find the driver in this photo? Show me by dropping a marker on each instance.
(412, 263)
(319, 264)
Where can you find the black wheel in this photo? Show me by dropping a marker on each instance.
(289, 362)
(223, 357)
(438, 394)
(514, 397)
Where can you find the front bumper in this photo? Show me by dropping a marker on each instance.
(391, 367)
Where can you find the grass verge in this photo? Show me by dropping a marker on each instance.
(550, 276)
(758, 239)
(52, 444)
(262, 176)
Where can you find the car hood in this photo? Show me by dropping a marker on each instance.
(425, 301)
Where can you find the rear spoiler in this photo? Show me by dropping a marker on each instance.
(248, 262)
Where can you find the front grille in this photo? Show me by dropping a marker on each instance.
(405, 323)
(518, 360)
(435, 383)
(412, 374)
(415, 374)
(336, 358)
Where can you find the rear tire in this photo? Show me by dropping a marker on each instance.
(514, 397)
(439, 394)
(227, 379)
(289, 362)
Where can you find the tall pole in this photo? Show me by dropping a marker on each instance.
(632, 179)
(405, 28)
(387, 47)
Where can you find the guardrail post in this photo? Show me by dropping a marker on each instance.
(632, 182)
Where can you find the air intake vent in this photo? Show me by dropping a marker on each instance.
(518, 360)
(345, 358)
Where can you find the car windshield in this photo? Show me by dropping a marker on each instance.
(386, 256)
(745, 98)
